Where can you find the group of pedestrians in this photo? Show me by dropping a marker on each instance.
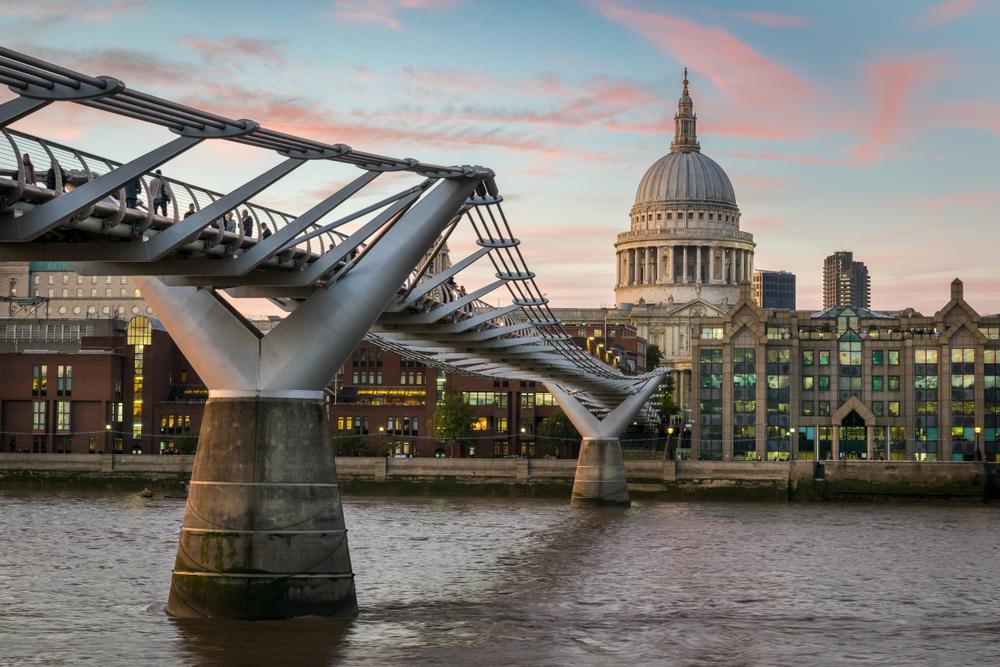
(51, 177)
(159, 193)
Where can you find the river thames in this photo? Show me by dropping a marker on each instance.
(84, 578)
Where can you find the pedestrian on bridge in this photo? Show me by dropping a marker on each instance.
(230, 222)
(247, 223)
(50, 177)
(190, 211)
(132, 190)
(29, 169)
(159, 191)
(265, 230)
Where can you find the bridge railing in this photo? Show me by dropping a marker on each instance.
(78, 166)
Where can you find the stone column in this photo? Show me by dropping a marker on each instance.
(652, 265)
(618, 269)
(684, 264)
(697, 264)
(711, 264)
(836, 442)
(631, 266)
(870, 437)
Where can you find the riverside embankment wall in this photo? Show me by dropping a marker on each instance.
(751, 480)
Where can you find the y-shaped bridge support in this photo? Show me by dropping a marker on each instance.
(600, 470)
(263, 534)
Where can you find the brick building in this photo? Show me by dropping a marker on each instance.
(78, 386)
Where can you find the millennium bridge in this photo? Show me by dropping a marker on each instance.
(263, 534)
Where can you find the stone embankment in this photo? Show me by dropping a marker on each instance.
(679, 480)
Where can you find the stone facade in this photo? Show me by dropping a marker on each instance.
(846, 383)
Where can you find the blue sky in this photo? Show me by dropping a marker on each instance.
(872, 127)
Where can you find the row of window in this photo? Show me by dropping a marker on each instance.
(175, 424)
(40, 380)
(40, 415)
(648, 217)
(848, 355)
(108, 293)
(51, 280)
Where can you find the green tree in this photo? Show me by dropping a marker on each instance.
(453, 419)
(665, 406)
(653, 357)
(558, 426)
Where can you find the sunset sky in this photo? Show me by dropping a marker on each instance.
(848, 125)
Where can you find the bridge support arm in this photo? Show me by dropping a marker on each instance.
(600, 469)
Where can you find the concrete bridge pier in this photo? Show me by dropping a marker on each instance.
(263, 534)
(600, 470)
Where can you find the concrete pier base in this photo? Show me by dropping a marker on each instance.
(263, 534)
(600, 474)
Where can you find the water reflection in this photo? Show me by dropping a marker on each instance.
(223, 643)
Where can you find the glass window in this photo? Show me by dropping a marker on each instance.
(808, 357)
(893, 408)
(824, 357)
(711, 333)
(824, 383)
(38, 420)
(807, 382)
(877, 357)
(893, 383)
(893, 357)
(877, 383)
(878, 408)
(929, 356)
(808, 408)
(824, 408)
(778, 355)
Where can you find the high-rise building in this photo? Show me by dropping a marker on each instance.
(774, 289)
(845, 282)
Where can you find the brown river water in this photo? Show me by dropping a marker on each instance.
(465, 581)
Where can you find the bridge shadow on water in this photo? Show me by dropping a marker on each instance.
(301, 641)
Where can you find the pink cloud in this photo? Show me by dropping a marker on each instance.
(386, 13)
(947, 11)
(749, 80)
(965, 199)
(233, 48)
(979, 114)
(60, 10)
(893, 85)
(772, 20)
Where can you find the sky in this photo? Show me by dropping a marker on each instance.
(850, 125)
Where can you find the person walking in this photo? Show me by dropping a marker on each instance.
(50, 177)
(230, 222)
(247, 223)
(132, 190)
(265, 230)
(190, 211)
(29, 169)
(159, 191)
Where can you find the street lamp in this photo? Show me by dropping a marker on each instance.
(670, 433)
(978, 430)
(107, 439)
(791, 445)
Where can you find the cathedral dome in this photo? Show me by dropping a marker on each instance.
(684, 175)
(689, 177)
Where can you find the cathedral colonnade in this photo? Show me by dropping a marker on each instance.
(680, 263)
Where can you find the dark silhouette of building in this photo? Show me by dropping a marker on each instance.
(845, 282)
(774, 289)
